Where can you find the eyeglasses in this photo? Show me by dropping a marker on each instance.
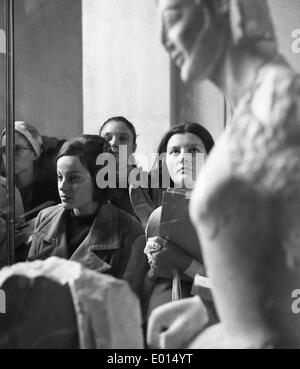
(18, 149)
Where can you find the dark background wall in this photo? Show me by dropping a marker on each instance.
(48, 66)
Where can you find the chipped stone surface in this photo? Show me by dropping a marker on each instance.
(60, 304)
(216, 338)
(246, 210)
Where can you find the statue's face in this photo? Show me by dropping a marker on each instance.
(190, 37)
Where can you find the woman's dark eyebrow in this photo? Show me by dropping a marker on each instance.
(68, 173)
(190, 146)
(194, 145)
(120, 134)
(73, 172)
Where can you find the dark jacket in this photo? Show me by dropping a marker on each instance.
(145, 200)
(138, 201)
(114, 244)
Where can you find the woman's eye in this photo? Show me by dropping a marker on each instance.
(75, 179)
(123, 139)
(108, 137)
(194, 150)
(174, 152)
(59, 177)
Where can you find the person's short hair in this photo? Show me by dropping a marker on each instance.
(87, 148)
(189, 127)
(121, 119)
(194, 128)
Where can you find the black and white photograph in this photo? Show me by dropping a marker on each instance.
(150, 177)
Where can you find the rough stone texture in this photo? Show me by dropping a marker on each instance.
(60, 304)
(246, 208)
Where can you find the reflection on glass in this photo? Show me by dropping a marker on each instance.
(3, 204)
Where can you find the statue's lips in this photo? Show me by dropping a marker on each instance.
(65, 198)
(178, 59)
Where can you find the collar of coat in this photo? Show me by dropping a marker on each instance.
(103, 234)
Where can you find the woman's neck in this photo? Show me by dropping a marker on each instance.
(86, 210)
(238, 72)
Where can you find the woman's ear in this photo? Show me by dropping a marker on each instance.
(134, 147)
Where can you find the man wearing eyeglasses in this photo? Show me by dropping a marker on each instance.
(24, 160)
(34, 178)
(19, 211)
(28, 149)
(36, 183)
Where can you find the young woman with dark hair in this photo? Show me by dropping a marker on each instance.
(181, 152)
(188, 128)
(119, 131)
(136, 200)
(85, 227)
